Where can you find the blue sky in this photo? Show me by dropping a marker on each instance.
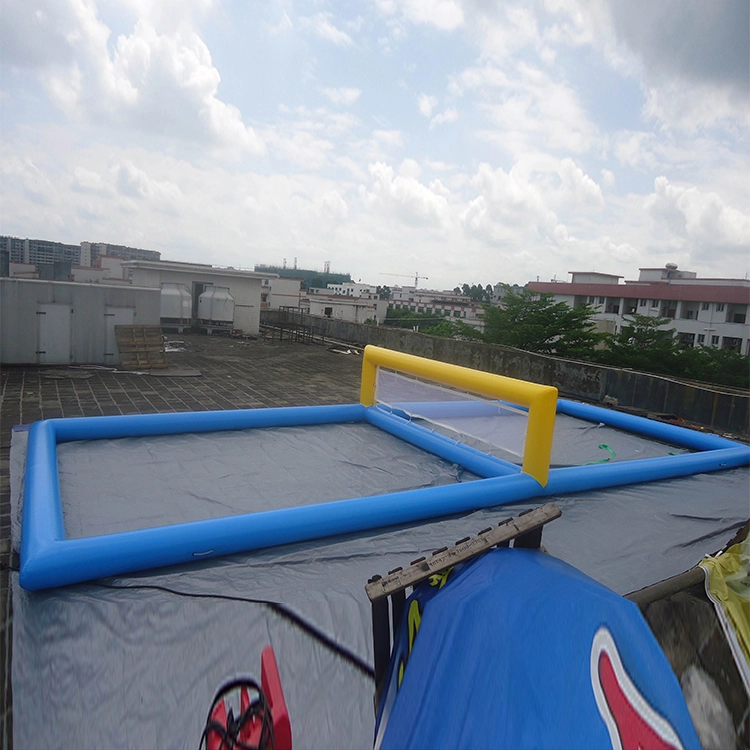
(469, 141)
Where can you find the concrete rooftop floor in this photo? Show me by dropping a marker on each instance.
(234, 374)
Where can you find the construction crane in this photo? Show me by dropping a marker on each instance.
(417, 277)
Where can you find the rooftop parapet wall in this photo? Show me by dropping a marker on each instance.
(717, 409)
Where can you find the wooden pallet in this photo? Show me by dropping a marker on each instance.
(140, 347)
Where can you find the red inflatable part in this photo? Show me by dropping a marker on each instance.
(229, 732)
(271, 684)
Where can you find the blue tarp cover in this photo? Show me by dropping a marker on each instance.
(518, 649)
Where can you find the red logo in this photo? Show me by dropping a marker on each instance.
(632, 723)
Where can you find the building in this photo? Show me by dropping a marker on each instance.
(96, 249)
(43, 251)
(430, 302)
(243, 287)
(278, 292)
(356, 303)
(64, 323)
(702, 311)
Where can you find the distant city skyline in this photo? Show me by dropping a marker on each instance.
(462, 140)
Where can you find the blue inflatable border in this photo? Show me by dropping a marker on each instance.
(48, 559)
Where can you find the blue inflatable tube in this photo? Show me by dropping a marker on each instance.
(669, 433)
(139, 425)
(61, 563)
(581, 478)
(49, 559)
(482, 464)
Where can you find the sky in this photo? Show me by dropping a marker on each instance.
(467, 141)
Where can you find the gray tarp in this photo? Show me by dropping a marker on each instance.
(95, 667)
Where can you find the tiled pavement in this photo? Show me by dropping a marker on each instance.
(234, 374)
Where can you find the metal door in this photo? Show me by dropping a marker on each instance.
(115, 316)
(54, 339)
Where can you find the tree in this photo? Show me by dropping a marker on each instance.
(536, 323)
(454, 329)
(384, 292)
(712, 365)
(642, 345)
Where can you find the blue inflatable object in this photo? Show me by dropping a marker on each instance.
(49, 559)
(517, 649)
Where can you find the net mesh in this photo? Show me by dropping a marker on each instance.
(494, 427)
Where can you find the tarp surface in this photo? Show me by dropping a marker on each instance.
(111, 668)
(177, 478)
(518, 649)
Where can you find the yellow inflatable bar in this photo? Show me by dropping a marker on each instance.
(541, 400)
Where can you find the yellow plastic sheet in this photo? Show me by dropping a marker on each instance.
(728, 586)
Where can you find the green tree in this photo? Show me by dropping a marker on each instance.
(454, 329)
(403, 317)
(536, 323)
(384, 292)
(712, 365)
(642, 345)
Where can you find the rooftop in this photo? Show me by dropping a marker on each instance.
(209, 373)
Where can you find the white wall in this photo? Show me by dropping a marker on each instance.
(79, 314)
(245, 290)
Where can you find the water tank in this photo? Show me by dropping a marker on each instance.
(175, 302)
(216, 305)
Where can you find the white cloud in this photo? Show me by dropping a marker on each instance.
(446, 15)
(701, 218)
(389, 137)
(284, 24)
(342, 95)
(426, 104)
(333, 206)
(507, 203)
(161, 83)
(608, 178)
(578, 185)
(448, 116)
(134, 182)
(527, 106)
(87, 181)
(406, 197)
(323, 27)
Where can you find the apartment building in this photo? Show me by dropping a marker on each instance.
(701, 311)
(447, 304)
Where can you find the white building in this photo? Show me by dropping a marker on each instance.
(353, 302)
(63, 322)
(447, 304)
(244, 286)
(702, 311)
(278, 292)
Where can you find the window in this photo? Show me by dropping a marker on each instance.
(701, 338)
(328, 312)
(456, 313)
(730, 342)
(705, 305)
(446, 312)
(690, 315)
(654, 304)
(738, 318)
(719, 307)
(687, 340)
(264, 298)
(591, 300)
(714, 340)
(642, 303)
(601, 300)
